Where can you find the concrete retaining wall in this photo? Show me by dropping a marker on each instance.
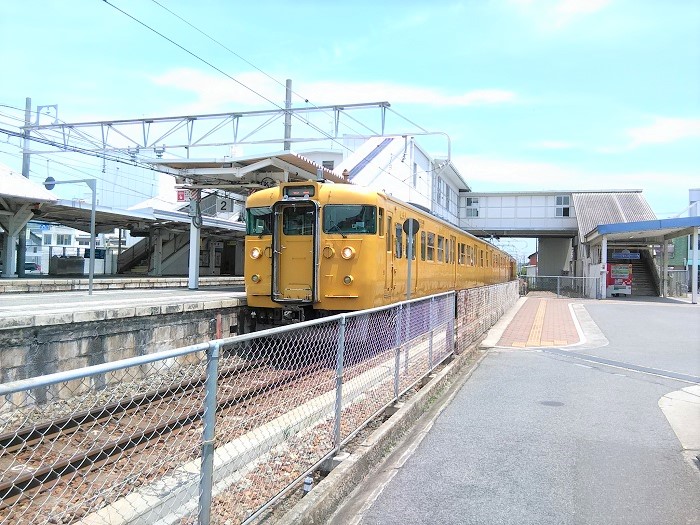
(67, 344)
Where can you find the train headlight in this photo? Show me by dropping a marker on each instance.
(255, 278)
(348, 252)
(347, 279)
(255, 253)
(328, 252)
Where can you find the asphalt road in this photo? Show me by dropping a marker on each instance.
(537, 437)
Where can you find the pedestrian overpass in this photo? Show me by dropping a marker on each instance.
(575, 229)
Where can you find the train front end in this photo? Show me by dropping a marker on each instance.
(303, 247)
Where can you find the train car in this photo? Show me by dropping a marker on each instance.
(314, 248)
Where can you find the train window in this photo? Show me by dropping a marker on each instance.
(298, 220)
(399, 234)
(462, 257)
(381, 222)
(447, 251)
(441, 248)
(388, 234)
(422, 246)
(413, 251)
(481, 258)
(349, 218)
(258, 221)
(431, 246)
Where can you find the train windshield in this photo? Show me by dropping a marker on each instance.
(259, 221)
(349, 218)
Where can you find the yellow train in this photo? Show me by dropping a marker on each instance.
(315, 248)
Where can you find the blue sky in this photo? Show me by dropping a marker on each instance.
(534, 94)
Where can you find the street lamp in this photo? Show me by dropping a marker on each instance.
(49, 184)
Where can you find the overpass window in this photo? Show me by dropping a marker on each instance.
(562, 209)
(472, 207)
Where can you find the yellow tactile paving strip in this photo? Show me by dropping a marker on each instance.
(541, 322)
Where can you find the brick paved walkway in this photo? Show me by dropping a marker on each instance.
(541, 321)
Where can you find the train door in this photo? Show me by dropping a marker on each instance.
(390, 268)
(295, 252)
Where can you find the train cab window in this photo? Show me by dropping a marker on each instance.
(258, 221)
(349, 218)
(447, 251)
(441, 248)
(388, 234)
(381, 222)
(298, 221)
(431, 246)
(399, 240)
(422, 246)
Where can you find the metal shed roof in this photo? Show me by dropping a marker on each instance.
(245, 172)
(593, 209)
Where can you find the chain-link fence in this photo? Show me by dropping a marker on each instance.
(216, 432)
(565, 286)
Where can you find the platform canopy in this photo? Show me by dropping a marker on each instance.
(244, 174)
(645, 232)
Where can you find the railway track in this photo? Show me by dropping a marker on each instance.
(31, 441)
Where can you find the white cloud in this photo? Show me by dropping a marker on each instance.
(664, 130)
(215, 92)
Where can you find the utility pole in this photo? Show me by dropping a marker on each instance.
(22, 239)
(288, 115)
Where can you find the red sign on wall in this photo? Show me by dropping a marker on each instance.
(182, 196)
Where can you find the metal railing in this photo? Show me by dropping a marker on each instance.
(564, 286)
(219, 431)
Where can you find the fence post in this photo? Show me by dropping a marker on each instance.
(432, 331)
(397, 364)
(339, 382)
(451, 323)
(558, 286)
(208, 435)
